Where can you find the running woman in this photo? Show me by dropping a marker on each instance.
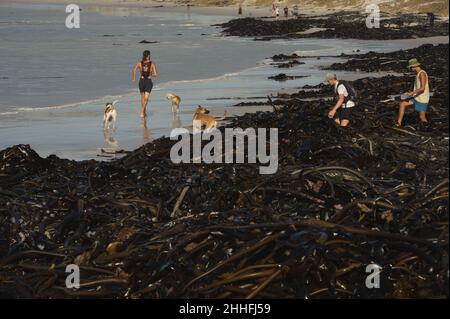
(148, 70)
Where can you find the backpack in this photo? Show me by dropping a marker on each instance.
(352, 93)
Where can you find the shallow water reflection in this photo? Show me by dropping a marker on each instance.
(147, 134)
(176, 122)
(110, 140)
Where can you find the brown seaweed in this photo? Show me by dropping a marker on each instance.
(344, 25)
(343, 198)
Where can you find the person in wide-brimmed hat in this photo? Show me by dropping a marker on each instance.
(419, 97)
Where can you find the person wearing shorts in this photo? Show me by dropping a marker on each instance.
(343, 109)
(419, 97)
(345, 114)
(148, 70)
(419, 107)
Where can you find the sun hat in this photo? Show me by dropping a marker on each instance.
(330, 76)
(413, 63)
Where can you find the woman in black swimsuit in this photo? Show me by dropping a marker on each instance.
(148, 70)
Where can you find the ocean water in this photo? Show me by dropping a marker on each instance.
(54, 81)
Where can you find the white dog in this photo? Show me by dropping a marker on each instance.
(175, 101)
(110, 115)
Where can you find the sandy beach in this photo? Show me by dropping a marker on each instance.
(262, 8)
(228, 10)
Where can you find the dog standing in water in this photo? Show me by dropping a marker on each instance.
(110, 116)
(175, 101)
(202, 118)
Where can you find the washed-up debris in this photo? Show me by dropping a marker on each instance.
(148, 42)
(397, 61)
(285, 77)
(289, 64)
(144, 227)
(337, 25)
(251, 103)
(284, 57)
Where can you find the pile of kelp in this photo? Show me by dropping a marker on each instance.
(434, 59)
(343, 199)
(344, 25)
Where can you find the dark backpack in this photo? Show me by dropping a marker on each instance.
(352, 93)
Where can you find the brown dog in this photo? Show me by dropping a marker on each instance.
(202, 119)
(175, 101)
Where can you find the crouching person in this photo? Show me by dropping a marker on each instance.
(345, 96)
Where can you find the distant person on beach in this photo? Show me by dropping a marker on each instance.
(431, 18)
(240, 10)
(277, 11)
(148, 70)
(286, 12)
(295, 11)
(419, 97)
(345, 95)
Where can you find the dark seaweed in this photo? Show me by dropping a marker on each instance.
(143, 227)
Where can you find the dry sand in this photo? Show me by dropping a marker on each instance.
(262, 7)
(253, 10)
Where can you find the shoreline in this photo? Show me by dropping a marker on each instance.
(219, 110)
(337, 190)
(231, 108)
